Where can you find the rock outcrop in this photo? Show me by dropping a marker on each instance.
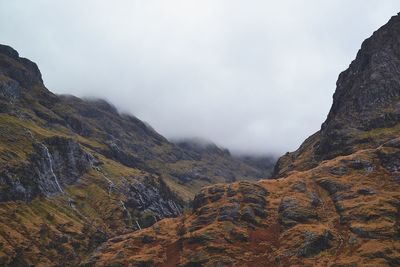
(55, 163)
(365, 110)
(367, 94)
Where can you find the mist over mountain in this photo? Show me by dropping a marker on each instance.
(334, 202)
(75, 172)
(233, 72)
(84, 181)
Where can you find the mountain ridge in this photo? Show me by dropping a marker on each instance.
(335, 201)
(84, 185)
(76, 172)
(365, 100)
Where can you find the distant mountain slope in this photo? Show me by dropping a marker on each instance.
(265, 164)
(76, 172)
(335, 202)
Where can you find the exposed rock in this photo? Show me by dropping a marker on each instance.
(248, 215)
(248, 189)
(9, 51)
(339, 170)
(10, 90)
(199, 201)
(155, 198)
(315, 243)
(239, 236)
(315, 200)
(291, 161)
(365, 91)
(365, 108)
(229, 212)
(390, 160)
(147, 239)
(202, 221)
(69, 161)
(25, 73)
(395, 143)
(126, 158)
(291, 212)
(300, 187)
(332, 185)
(360, 164)
(366, 191)
(251, 211)
(56, 162)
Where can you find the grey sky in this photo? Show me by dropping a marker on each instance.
(253, 76)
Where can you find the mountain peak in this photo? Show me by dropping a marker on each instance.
(367, 93)
(8, 51)
(366, 104)
(20, 69)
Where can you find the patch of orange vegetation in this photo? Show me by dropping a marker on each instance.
(356, 221)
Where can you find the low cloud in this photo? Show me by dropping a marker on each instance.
(253, 76)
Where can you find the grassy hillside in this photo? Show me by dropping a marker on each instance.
(75, 172)
(345, 212)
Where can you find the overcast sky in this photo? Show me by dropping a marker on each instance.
(253, 76)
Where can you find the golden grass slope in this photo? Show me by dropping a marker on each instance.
(345, 212)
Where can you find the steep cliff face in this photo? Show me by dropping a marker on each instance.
(367, 94)
(335, 202)
(365, 110)
(55, 163)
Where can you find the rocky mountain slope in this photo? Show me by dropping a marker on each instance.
(336, 201)
(365, 110)
(75, 172)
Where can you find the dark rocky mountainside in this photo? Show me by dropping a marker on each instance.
(365, 110)
(335, 201)
(75, 172)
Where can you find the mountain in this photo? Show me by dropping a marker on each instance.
(335, 201)
(365, 110)
(76, 172)
(264, 164)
